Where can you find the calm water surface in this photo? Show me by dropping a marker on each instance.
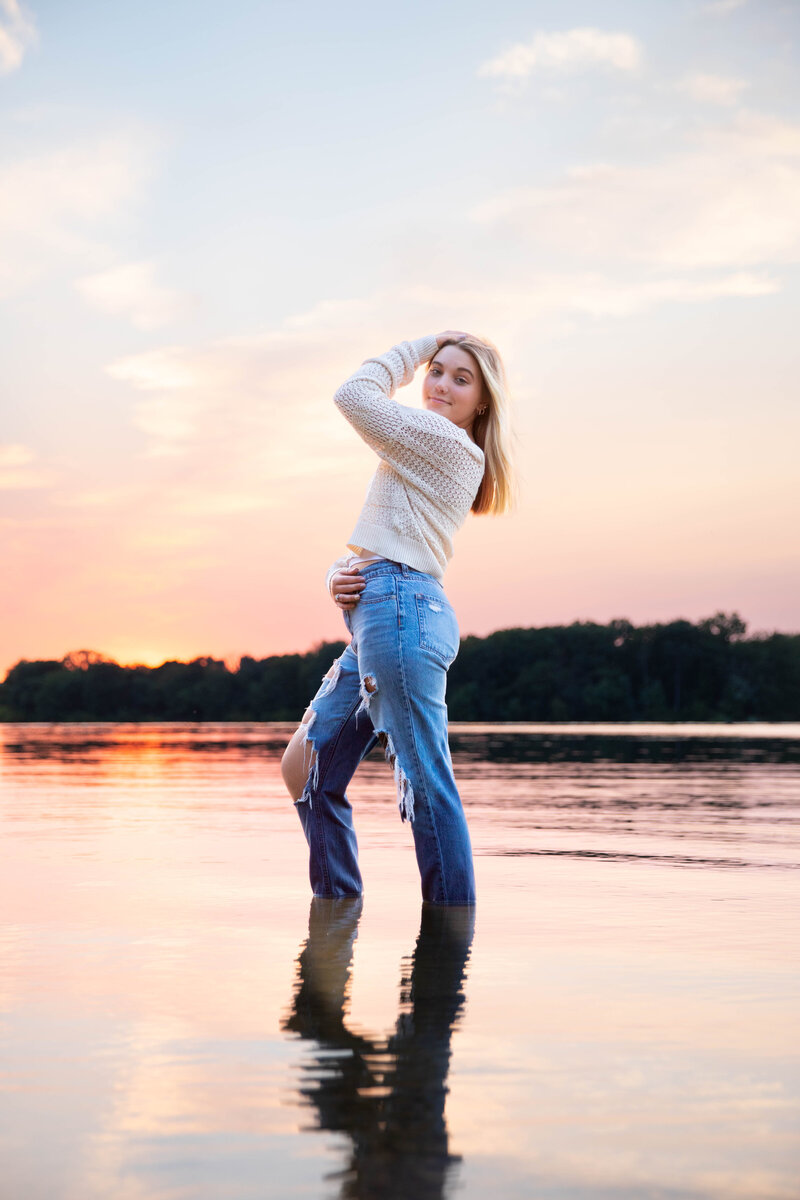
(619, 1021)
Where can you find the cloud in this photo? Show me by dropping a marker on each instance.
(242, 427)
(571, 50)
(712, 89)
(169, 417)
(236, 410)
(18, 469)
(53, 204)
(17, 33)
(165, 369)
(602, 297)
(226, 398)
(130, 290)
(572, 294)
(721, 8)
(732, 201)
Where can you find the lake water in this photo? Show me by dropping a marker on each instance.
(177, 1020)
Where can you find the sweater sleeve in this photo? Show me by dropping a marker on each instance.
(366, 399)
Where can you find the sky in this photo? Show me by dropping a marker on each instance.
(211, 214)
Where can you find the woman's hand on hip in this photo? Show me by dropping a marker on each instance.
(346, 587)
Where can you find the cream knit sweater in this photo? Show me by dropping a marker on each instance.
(430, 469)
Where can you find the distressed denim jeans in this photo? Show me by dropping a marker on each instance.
(389, 686)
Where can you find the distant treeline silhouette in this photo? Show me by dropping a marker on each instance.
(709, 671)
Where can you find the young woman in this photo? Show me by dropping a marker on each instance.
(437, 464)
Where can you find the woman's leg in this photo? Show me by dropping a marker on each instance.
(327, 747)
(405, 642)
(298, 757)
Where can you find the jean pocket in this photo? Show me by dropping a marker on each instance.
(438, 628)
(377, 590)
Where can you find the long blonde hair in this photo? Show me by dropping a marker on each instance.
(492, 429)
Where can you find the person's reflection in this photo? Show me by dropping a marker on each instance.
(387, 1095)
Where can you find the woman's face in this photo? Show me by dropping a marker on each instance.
(453, 386)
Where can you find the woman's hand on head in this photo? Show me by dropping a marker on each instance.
(346, 587)
(450, 335)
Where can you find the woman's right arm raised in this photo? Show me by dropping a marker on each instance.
(366, 399)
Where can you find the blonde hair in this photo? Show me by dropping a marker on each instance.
(492, 429)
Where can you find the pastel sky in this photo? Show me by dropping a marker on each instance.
(210, 214)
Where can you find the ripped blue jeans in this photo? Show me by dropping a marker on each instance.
(389, 687)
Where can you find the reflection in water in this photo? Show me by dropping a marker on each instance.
(626, 744)
(386, 1094)
(177, 741)
(632, 1021)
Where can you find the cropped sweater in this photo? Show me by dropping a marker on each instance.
(430, 469)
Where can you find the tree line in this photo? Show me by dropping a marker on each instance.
(679, 671)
